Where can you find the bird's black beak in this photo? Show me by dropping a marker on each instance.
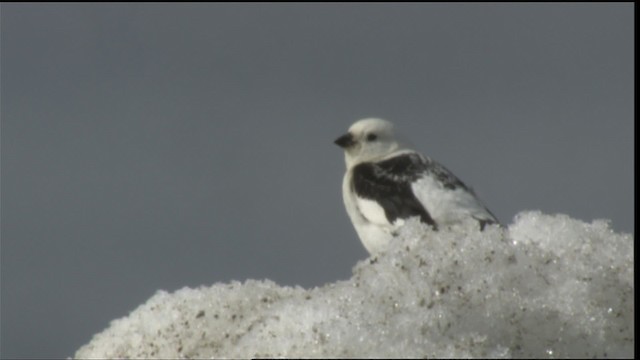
(345, 141)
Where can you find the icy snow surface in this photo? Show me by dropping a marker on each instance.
(547, 286)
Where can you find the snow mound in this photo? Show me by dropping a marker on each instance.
(547, 286)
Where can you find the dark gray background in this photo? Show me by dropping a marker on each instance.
(156, 146)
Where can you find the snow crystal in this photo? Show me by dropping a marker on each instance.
(548, 286)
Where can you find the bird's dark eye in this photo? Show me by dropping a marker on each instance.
(372, 137)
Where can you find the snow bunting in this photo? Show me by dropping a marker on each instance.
(387, 182)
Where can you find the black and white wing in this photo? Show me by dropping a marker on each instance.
(410, 185)
(388, 183)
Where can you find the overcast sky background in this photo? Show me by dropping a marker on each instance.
(157, 146)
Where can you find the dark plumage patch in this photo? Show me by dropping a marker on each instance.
(389, 184)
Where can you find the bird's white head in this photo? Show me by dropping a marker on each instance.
(368, 140)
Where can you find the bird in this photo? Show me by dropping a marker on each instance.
(387, 182)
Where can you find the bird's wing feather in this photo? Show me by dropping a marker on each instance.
(388, 183)
(450, 197)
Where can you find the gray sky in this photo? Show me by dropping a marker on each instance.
(156, 146)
